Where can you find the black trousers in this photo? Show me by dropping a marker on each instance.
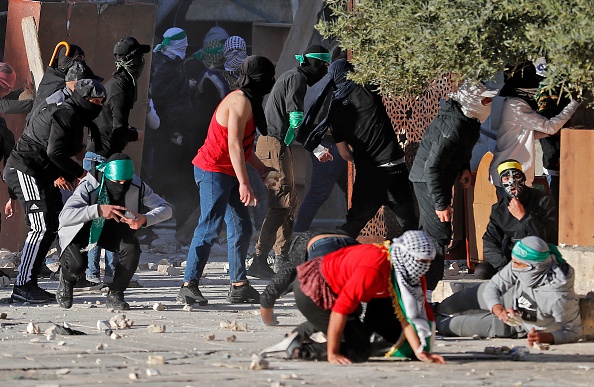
(378, 186)
(379, 318)
(440, 232)
(41, 203)
(116, 237)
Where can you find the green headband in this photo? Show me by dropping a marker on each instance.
(525, 253)
(167, 39)
(117, 170)
(323, 56)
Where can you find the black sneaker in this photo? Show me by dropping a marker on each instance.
(240, 294)
(31, 293)
(115, 300)
(84, 284)
(64, 293)
(260, 269)
(190, 295)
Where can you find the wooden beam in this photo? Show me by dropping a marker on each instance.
(32, 48)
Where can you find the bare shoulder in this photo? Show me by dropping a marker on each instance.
(236, 101)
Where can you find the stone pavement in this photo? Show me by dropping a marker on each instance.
(192, 357)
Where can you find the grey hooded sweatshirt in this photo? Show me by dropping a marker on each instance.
(551, 305)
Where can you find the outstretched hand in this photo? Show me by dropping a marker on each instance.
(109, 211)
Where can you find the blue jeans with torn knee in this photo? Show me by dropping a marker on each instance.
(219, 202)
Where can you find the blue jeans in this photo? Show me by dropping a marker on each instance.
(93, 272)
(261, 192)
(323, 177)
(329, 244)
(219, 202)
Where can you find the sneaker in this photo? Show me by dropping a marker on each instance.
(260, 269)
(115, 300)
(31, 293)
(84, 284)
(190, 295)
(239, 294)
(64, 293)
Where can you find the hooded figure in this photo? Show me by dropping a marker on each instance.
(531, 297)
(213, 44)
(40, 163)
(235, 53)
(219, 167)
(105, 210)
(53, 78)
(520, 124)
(389, 278)
(284, 116)
(7, 79)
(475, 99)
(175, 43)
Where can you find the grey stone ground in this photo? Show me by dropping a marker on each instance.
(191, 360)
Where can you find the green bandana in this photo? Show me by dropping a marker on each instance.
(295, 121)
(323, 56)
(526, 253)
(114, 170)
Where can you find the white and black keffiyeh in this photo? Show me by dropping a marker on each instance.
(235, 52)
(406, 253)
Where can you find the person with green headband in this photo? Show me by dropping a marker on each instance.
(532, 297)
(284, 115)
(105, 211)
(523, 211)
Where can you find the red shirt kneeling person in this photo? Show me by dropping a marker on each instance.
(389, 278)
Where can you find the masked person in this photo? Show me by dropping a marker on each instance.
(173, 145)
(532, 297)
(284, 115)
(444, 154)
(522, 212)
(53, 78)
(225, 190)
(520, 124)
(364, 135)
(41, 162)
(105, 211)
(390, 280)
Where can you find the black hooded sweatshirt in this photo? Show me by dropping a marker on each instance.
(52, 81)
(52, 136)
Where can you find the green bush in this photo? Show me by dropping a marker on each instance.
(401, 45)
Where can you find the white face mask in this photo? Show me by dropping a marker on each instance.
(470, 99)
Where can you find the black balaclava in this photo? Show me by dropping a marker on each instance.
(256, 78)
(521, 81)
(116, 191)
(314, 69)
(76, 54)
(85, 89)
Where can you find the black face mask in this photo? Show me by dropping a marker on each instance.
(314, 70)
(117, 191)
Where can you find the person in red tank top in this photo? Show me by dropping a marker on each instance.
(225, 190)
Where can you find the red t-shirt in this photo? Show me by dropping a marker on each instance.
(357, 274)
(213, 156)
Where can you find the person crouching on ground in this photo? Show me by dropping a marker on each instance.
(331, 288)
(531, 297)
(306, 246)
(104, 211)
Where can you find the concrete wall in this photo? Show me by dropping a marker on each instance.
(241, 11)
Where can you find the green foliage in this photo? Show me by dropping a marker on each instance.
(401, 45)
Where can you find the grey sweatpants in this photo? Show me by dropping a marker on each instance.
(484, 324)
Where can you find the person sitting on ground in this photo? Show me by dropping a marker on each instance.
(330, 289)
(531, 297)
(104, 211)
(321, 242)
(522, 212)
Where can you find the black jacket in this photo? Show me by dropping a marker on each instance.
(445, 150)
(11, 104)
(504, 230)
(114, 130)
(52, 136)
(52, 81)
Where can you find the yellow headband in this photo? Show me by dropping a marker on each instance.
(509, 165)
